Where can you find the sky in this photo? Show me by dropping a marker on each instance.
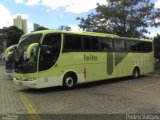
(52, 13)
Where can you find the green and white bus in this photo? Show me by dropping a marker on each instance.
(9, 60)
(62, 58)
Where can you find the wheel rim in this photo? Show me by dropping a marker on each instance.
(136, 73)
(69, 82)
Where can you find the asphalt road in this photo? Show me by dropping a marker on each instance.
(114, 97)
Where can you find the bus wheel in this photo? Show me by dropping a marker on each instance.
(136, 73)
(68, 81)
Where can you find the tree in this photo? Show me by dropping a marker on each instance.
(64, 28)
(13, 35)
(122, 17)
(157, 46)
(3, 42)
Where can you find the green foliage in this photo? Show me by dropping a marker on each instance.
(128, 18)
(67, 28)
(13, 35)
(2, 42)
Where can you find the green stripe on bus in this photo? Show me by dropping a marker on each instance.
(109, 63)
(114, 61)
(119, 57)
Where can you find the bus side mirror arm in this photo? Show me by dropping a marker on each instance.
(9, 49)
(29, 49)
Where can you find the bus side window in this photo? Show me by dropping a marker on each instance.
(141, 46)
(87, 43)
(72, 42)
(148, 46)
(77, 43)
(90, 43)
(95, 45)
(119, 45)
(106, 44)
(49, 51)
(131, 45)
(68, 42)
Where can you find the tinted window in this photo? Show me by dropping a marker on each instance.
(72, 42)
(106, 44)
(68, 43)
(87, 43)
(119, 45)
(148, 46)
(94, 45)
(90, 43)
(131, 46)
(141, 46)
(53, 40)
(77, 42)
(49, 51)
(27, 40)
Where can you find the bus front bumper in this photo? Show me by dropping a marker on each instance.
(30, 84)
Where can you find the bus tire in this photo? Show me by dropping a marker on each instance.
(136, 73)
(69, 81)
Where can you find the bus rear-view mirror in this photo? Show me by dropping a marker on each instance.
(7, 51)
(29, 50)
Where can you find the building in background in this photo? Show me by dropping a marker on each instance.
(36, 26)
(20, 23)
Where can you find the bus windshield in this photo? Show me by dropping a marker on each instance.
(22, 65)
(27, 40)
